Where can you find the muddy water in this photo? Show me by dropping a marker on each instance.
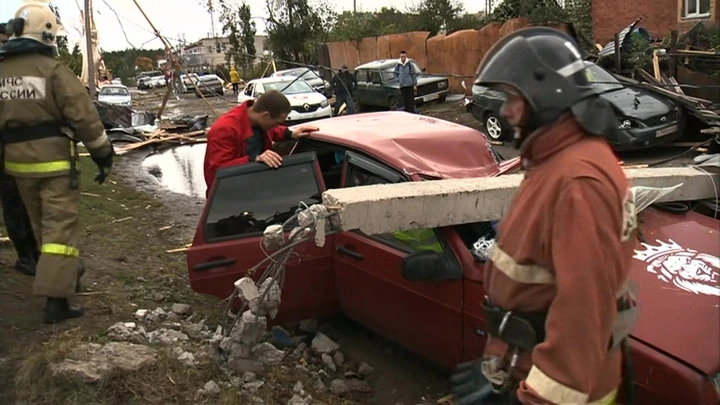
(179, 169)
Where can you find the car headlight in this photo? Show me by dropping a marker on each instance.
(442, 85)
(627, 124)
(324, 103)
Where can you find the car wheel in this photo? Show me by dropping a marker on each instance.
(393, 103)
(442, 99)
(494, 127)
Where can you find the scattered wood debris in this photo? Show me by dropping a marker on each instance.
(178, 250)
(115, 221)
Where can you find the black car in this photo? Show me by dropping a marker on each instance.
(312, 78)
(647, 118)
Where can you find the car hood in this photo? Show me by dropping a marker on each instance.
(678, 273)
(648, 105)
(424, 79)
(114, 99)
(311, 98)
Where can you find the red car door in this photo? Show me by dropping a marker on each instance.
(425, 317)
(243, 201)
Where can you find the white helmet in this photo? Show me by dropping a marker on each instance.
(36, 20)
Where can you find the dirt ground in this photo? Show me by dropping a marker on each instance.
(128, 224)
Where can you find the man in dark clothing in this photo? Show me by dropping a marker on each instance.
(343, 85)
(15, 215)
(407, 78)
(246, 134)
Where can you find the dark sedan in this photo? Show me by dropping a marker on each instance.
(647, 119)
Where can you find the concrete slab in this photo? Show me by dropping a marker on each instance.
(395, 207)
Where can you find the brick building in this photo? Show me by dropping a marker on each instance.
(659, 16)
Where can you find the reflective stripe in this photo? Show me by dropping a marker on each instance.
(523, 273)
(98, 143)
(58, 249)
(552, 390)
(608, 399)
(420, 239)
(45, 167)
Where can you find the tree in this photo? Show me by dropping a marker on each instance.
(247, 37)
(437, 15)
(295, 29)
(144, 63)
(355, 26)
(73, 59)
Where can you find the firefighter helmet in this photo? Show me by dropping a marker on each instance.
(36, 20)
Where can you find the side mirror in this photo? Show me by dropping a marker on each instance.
(428, 266)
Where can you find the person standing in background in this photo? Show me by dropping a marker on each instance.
(407, 78)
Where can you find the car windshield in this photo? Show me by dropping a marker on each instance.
(600, 79)
(113, 91)
(297, 87)
(389, 75)
(209, 78)
(303, 73)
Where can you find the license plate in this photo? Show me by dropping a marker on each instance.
(431, 97)
(666, 131)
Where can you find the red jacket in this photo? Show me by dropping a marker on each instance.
(227, 138)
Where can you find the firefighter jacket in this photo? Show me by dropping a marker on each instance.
(419, 239)
(565, 249)
(227, 141)
(42, 102)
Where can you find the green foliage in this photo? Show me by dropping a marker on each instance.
(639, 56)
(296, 29)
(237, 24)
(437, 15)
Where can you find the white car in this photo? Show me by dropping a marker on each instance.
(115, 94)
(307, 104)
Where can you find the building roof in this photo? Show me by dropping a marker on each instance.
(414, 143)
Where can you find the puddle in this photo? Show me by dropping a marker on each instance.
(179, 169)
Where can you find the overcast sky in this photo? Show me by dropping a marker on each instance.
(173, 18)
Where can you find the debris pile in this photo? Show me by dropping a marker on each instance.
(249, 356)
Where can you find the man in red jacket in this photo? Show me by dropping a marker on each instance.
(246, 133)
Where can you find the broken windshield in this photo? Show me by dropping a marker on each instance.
(600, 79)
(297, 87)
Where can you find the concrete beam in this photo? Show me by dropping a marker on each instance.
(429, 204)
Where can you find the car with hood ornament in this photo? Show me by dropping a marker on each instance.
(307, 104)
(382, 282)
(646, 118)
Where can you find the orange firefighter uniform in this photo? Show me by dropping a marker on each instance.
(562, 257)
(42, 106)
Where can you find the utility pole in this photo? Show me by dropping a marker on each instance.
(89, 50)
(354, 6)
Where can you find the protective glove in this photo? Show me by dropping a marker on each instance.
(470, 387)
(104, 165)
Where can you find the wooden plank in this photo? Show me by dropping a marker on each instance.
(672, 67)
(656, 65)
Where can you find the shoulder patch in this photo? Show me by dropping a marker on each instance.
(629, 221)
(22, 88)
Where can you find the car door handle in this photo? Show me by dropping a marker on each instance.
(345, 251)
(211, 265)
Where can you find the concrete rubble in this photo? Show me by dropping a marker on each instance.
(386, 208)
(246, 354)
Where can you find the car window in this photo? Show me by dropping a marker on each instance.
(362, 75)
(601, 79)
(114, 91)
(296, 87)
(259, 89)
(248, 198)
(411, 241)
(373, 76)
(310, 75)
(249, 89)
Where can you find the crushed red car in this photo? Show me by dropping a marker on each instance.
(675, 345)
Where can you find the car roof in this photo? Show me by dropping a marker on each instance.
(380, 64)
(275, 79)
(114, 86)
(413, 143)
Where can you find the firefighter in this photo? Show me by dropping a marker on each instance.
(43, 107)
(559, 305)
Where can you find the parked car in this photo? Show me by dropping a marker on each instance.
(209, 85)
(312, 77)
(144, 83)
(188, 81)
(647, 119)
(377, 85)
(307, 104)
(674, 345)
(115, 94)
(157, 81)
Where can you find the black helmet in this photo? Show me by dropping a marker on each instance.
(544, 65)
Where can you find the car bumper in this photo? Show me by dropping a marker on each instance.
(296, 118)
(432, 96)
(641, 138)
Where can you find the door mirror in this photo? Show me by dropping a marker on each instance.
(428, 266)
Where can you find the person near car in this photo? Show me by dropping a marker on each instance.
(559, 304)
(44, 111)
(246, 134)
(407, 78)
(14, 213)
(343, 85)
(235, 80)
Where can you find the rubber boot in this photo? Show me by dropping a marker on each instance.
(60, 309)
(26, 265)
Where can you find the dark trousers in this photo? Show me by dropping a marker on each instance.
(344, 98)
(408, 98)
(236, 86)
(16, 218)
